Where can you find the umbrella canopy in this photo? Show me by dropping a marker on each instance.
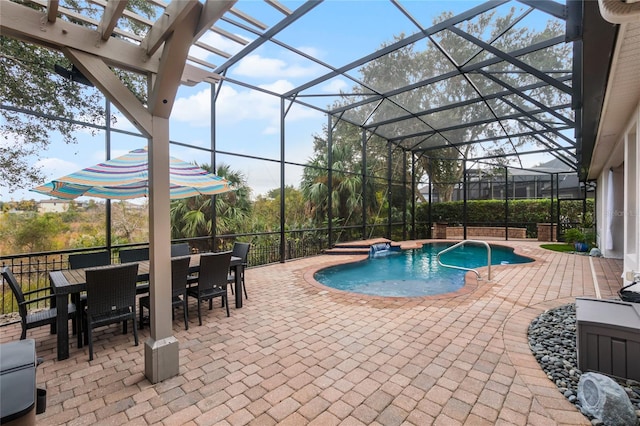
(126, 177)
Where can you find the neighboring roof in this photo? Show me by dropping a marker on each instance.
(538, 110)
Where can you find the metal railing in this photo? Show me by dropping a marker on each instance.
(460, 244)
(32, 269)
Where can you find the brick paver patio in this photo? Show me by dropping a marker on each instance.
(298, 353)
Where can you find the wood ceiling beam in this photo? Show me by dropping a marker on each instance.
(171, 18)
(24, 23)
(110, 85)
(174, 56)
(112, 12)
(52, 10)
(212, 11)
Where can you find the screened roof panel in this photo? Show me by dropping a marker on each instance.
(403, 128)
(410, 72)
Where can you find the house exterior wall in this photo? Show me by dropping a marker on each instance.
(632, 199)
(618, 214)
(58, 206)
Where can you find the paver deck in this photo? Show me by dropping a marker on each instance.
(298, 353)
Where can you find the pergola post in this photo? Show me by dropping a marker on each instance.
(161, 349)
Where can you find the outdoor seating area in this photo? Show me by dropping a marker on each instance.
(299, 353)
(103, 293)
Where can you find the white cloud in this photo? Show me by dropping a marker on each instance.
(217, 41)
(256, 66)
(195, 109)
(53, 168)
(240, 105)
(335, 86)
(311, 51)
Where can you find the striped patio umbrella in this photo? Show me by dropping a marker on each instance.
(126, 177)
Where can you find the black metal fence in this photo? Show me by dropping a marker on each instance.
(32, 269)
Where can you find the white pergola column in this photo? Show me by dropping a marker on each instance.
(161, 349)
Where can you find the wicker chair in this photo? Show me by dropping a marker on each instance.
(134, 255)
(181, 249)
(179, 272)
(212, 280)
(88, 260)
(111, 297)
(240, 250)
(39, 317)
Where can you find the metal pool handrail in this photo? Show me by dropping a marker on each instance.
(460, 244)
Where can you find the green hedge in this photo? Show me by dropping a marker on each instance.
(522, 213)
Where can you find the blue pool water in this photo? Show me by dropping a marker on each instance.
(414, 272)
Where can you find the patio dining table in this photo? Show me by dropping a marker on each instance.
(71, 281)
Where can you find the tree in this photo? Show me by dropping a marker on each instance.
(446, 52)
(192, 217)
(38, 103)
(266, 211)
(38, 232)
(130, 223)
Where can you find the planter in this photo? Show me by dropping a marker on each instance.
(581, 247)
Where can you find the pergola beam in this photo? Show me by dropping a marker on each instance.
(212, 11)
(110, 85)
(171, 18)
(52, 10)
(112, 12)
(24, 23)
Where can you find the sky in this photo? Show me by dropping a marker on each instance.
(248, 121)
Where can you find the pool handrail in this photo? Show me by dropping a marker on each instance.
(461, 243)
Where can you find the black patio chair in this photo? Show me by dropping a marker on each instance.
(181, 249)
(39, 317)
(88, 260)
(212, 280)
(111, 297)
(179, 272)
(240, 250)
(134, 255)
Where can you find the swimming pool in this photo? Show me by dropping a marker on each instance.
(413, 273)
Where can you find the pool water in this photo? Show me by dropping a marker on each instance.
(414, 272)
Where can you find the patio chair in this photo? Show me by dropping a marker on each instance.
(179, 272)
(134, 255)
(111, 297)
(88, 260)
(181, 249)
(39, 317)
(212, 280)
(240, 250)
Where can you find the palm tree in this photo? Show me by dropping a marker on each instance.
(346, 195)
(192, 217)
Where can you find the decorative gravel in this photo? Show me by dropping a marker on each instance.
(552, 339)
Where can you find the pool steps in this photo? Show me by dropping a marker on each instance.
(362, 247)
